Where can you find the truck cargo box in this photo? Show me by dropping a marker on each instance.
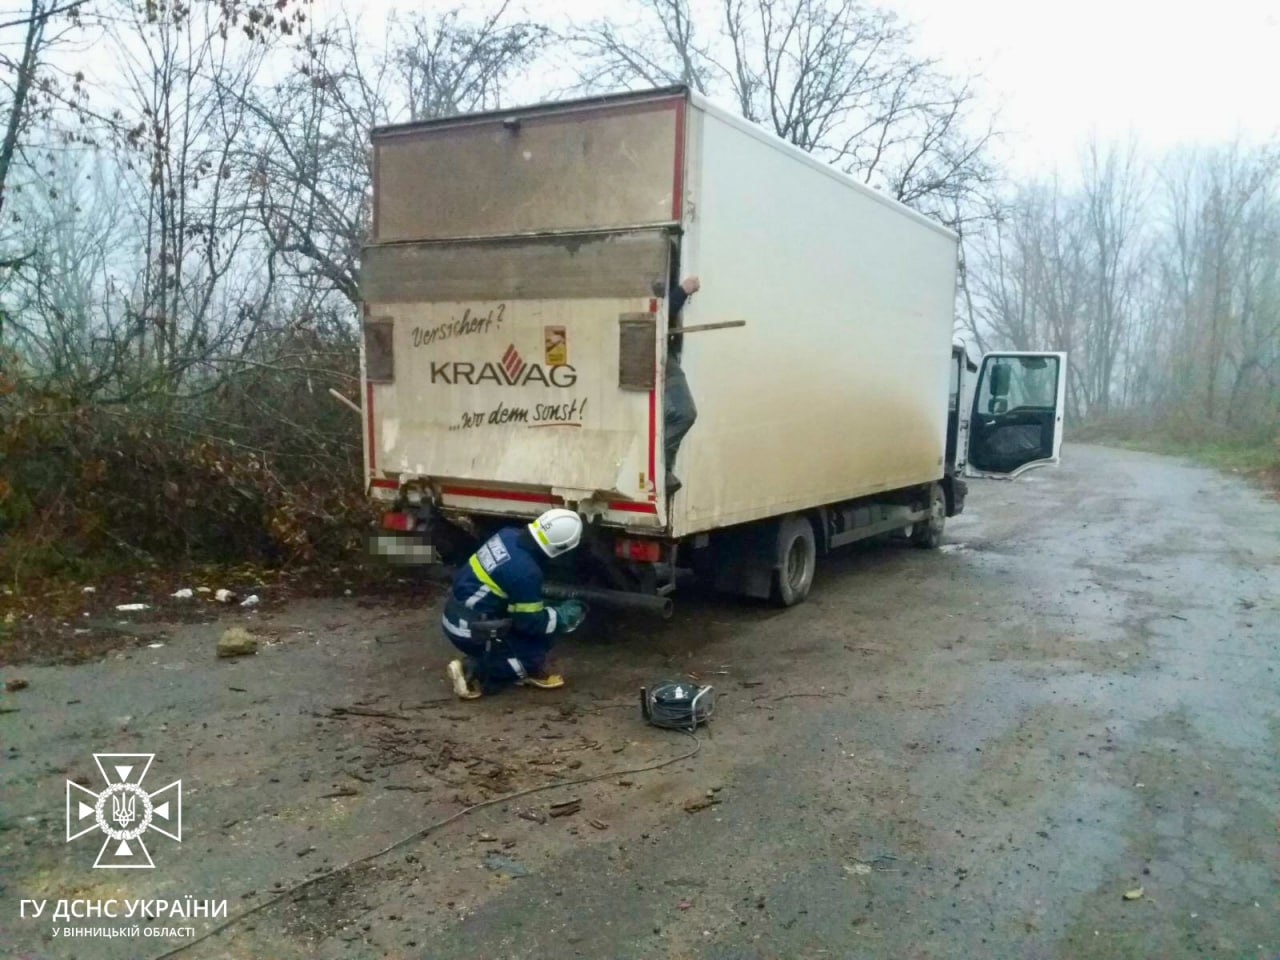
(517, 330)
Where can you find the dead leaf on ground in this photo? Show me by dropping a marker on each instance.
(700, 803)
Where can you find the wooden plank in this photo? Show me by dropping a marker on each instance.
(703, 327)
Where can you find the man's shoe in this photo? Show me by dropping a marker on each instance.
(546, 681)
(462, 687)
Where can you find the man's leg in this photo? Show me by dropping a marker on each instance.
(463, 673)
(496, 669)
(679, 414)
(528, 657)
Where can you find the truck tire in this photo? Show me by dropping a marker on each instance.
(927, 534)
(797, 555)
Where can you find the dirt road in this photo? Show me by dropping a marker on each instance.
(972, 752)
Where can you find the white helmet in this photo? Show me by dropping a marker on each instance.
(557, 531)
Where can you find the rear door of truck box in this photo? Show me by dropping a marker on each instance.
(512, 329)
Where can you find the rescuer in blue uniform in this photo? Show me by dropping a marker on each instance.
(503, 580)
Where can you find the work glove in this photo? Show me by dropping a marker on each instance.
(570, 614)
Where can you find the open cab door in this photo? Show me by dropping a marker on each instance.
(1016, 423)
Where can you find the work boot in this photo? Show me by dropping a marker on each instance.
(543, 681)
(463, 687)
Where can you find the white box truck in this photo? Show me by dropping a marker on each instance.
(517, 337)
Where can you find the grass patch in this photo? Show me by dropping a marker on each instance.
(1224, 456)
(1251, 454)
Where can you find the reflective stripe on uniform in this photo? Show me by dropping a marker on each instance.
(535, 607)
(517, 666)
(460, 629)
(483, 576)
(551, 620)
(478, 596)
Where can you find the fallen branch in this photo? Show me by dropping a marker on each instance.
(357, 712)
(341, 792)
(566, 809)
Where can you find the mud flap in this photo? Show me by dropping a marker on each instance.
(744, 560)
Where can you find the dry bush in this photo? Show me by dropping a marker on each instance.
(261, 465)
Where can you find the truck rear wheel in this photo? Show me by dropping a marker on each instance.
(927, 534)
(797, 555)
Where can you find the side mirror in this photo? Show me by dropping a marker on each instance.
(1001, 375)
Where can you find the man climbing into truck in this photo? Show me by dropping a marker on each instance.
(496, 616)
(679, 409)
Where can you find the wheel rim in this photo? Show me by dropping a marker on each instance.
(797, 563)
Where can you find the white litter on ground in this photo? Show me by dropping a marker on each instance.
(186, 593)
(132, 607)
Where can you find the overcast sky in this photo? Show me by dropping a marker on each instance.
(1170, 72)
(1198, 71)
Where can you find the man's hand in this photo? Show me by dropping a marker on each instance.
(691, 285)
(570, 614)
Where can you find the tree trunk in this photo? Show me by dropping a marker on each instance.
(22, 88)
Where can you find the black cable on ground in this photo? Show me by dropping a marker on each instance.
(677, 704)
(419, 834)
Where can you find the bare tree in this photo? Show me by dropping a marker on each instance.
(66, 320)
(192, 223)
(837, 78)
(1113, 201)
(449, 66)
(311, 162)
(1167, 300)
(48, 96)
(1027, 278)
(1219, 264)
(662, 46)
(35, 89)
